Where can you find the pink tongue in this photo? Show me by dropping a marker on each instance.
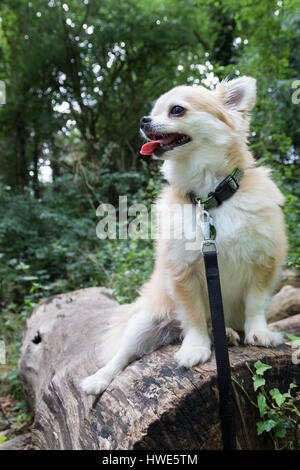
(149, 147)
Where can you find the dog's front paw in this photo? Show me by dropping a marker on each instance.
(189, 356)
(233, 337)
(94, 384)
(264, 338)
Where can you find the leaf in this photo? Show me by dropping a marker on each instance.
(2, 439)
(277, 396)
(261, 367)
(260, 427)
(22, 266)
(261, 401)
(20, 405)
(265, 426)
(295, 339)
(29, 278)
(280, 432)
(293, 445)
(258, 382)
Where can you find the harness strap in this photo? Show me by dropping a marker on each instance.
(226, 396)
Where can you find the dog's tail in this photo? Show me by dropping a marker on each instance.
(112, 333)
(155, 330)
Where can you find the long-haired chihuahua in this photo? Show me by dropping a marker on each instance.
(201, 135)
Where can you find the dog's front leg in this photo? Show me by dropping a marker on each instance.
(196, 345)
(195, 348)
(257, 331)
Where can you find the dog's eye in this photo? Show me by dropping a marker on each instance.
(177, 111)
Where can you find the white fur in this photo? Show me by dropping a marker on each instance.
(250, 237)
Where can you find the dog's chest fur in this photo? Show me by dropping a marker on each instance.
(246, 225)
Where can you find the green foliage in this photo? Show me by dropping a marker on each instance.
(295, 339)
(279, 412)
(47, 248)
(261, 368)
(18, 420)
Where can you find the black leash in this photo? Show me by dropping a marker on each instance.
(209, 250)
(226, 397)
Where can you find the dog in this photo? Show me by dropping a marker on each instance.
(201, 135)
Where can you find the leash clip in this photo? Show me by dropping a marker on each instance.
(209, 233)
(208, 244)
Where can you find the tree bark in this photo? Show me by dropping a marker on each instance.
(284, 304)
(21, 141)
(288, 325)
(35, 159)
(22, 442)
(288, 277)
(152, 404)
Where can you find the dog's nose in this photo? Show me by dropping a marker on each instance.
(145, 120)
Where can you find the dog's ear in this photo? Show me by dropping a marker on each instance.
(238, 94)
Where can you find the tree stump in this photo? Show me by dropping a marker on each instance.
(152, 404)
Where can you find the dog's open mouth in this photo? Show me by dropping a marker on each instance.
(161, 143)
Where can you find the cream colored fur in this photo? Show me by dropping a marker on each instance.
(250, 236)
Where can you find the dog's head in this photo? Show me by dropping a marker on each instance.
(188, 117)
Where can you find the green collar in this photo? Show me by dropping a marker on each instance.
(223, 191)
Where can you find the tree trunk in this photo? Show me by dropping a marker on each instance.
(152, 404)
(35, 158)
(21, 141)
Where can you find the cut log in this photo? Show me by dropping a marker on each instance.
(22, 442)
(284, 304)
(151, 405)
(288, 277)
(288, 325)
